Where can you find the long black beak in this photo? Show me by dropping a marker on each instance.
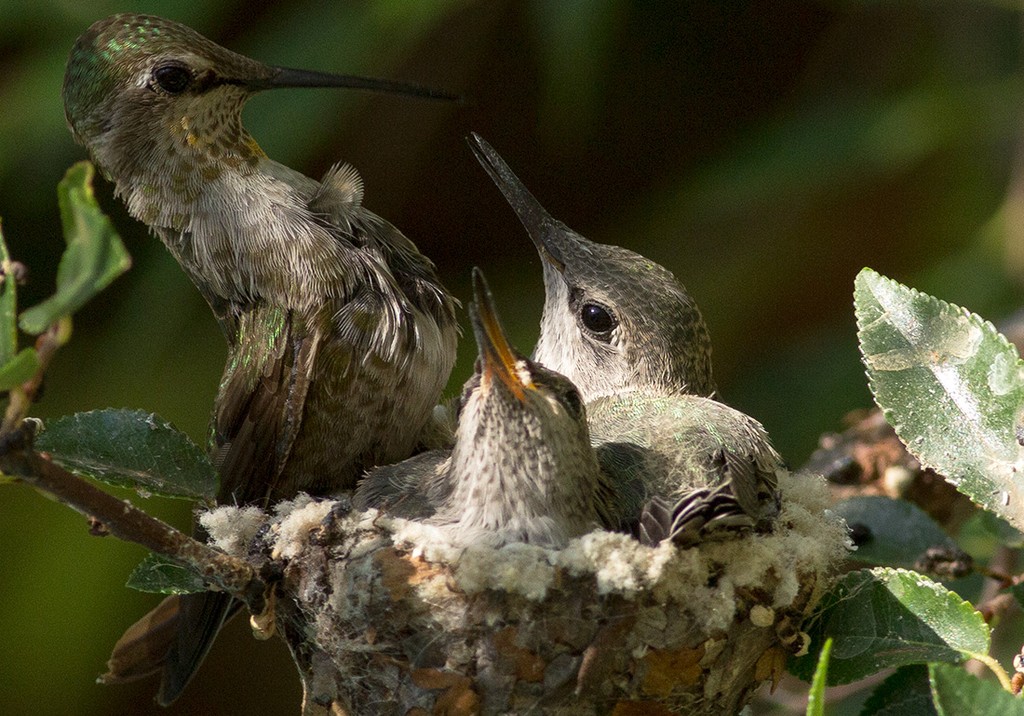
(546, 233)
(282, 77)
(498, 358)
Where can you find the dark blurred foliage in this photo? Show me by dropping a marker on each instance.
(763, 151)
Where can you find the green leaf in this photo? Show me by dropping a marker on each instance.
(130, 448)
(8, 307)
(1001, 530)
(163, 575)
(816, 696)
(905, 693)
(900, 531)
(950, 384)
(94, 256)
(958, 693)
(883, 618)
(19, 369)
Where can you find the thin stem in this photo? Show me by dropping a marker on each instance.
(125, 521)
(47, 345)
(995, 668)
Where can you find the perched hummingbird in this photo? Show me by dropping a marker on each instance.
(340, 335)
(627, 333)
(522, 468)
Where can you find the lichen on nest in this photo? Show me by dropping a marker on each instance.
(809, 537)
(381, 604)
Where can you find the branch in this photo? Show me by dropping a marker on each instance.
(127, 522)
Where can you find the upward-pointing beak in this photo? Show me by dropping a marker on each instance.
(547, 234)
(498, 358)
(284, 77)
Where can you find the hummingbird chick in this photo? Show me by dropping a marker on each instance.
(631, 338)
(340, 335)
(613, 320)
(522, 468)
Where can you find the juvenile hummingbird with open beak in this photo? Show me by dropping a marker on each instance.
(522, 468)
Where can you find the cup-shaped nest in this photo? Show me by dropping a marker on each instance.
(384, 616)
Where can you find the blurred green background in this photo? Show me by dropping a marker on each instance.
(763, 151)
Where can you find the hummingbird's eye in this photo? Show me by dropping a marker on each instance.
(172, 78)
(597, 319)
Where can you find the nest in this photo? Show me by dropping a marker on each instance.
(384, 617)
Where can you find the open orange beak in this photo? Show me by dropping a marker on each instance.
(498, 358)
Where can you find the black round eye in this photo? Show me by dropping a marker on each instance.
(597, 318)
(172, 79)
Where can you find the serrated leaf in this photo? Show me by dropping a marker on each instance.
(905, 693)
(93, 258)
(19, 369)
(900, 531)
(130, 448)
(955, 692)
(162, 575)
(882, 618)
(816, 696)
(8, 306)
(950, 384)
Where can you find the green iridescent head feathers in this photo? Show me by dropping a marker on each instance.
(126, 60)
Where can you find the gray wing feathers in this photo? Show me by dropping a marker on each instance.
(703, 468)
(411, 489)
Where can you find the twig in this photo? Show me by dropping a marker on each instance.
(127, 522)
(47, 345)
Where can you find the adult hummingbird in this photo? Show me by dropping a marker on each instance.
(631, 338)
(522, 468)
(340, 335)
